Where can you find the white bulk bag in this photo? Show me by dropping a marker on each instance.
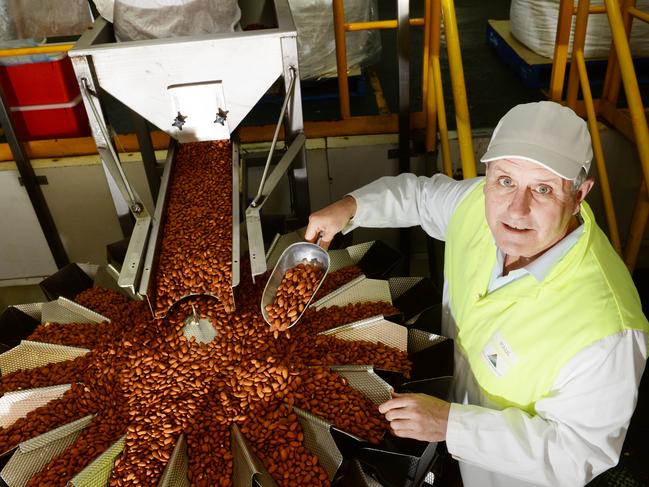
(315, 36)
(161, 19)
(534, 23)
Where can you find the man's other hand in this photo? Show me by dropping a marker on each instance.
(417, 416)
(330, 220)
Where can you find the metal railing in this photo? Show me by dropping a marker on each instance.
(433, 115)
(631, 122)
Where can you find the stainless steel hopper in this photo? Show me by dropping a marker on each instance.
(195, 89)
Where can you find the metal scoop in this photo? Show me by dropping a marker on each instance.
(297, 253)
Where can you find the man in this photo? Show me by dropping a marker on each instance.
(550, 337)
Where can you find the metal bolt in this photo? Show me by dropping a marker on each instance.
(179, 121)
(221, 116)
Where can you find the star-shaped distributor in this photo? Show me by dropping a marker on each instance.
(144, 379)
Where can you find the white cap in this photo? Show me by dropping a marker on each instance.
(546, 133)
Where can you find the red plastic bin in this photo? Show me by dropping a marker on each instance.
(39, 83)
(51, 121)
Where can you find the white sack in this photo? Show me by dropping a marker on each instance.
(149, 19)
(162, 19)
(105, 8)
(314, 23)
(534, 23)
(36, 19)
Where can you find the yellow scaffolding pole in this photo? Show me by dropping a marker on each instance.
(638, 225)
(632, 122)
(380, 24)
(44, 49)
(432, 91)
(464, 135)
(341, 57)
(438, 90)
(561, 44)
(612, 79)
(425, 71)
(638, 14)
(578, 74)
(598, 153)
(560, 57)
(638, 118)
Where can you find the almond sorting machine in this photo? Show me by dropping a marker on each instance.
(345, 458)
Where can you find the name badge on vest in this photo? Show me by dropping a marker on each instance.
(498, 355)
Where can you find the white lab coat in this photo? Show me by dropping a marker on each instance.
(578, 432)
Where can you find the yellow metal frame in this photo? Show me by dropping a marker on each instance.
(431, 118)
(433, 115)
(631, 122)
(45, 49)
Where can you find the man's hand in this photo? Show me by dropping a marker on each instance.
(417, 416)
(330, 220)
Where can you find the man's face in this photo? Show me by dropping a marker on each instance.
(528, 207)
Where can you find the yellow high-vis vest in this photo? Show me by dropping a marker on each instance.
(518, 337)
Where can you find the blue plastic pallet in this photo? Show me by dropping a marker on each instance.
(325, 89)
(535, 73)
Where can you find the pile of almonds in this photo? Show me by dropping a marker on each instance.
(51, 375)
(144, 379)
(293, 294)
(195, 255)
(80, 335)
(336, 279)
(72, 406)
